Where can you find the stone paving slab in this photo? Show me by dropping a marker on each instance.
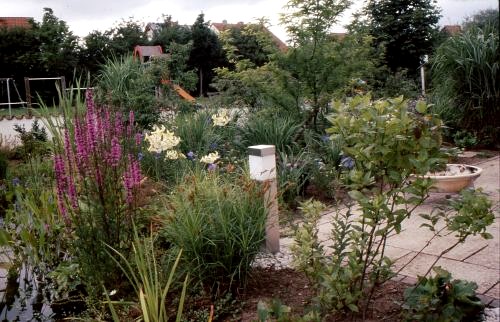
(484, 277)
(476, 260)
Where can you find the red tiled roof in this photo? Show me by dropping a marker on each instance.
(452, 29)
(11, 22)
(222, 26)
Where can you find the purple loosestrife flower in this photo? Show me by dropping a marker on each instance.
(116, 152)
(131, 179)
(82, 151)
(118, 128)
(130, 126)
(212, 167)
(138, 139)
(61, 183)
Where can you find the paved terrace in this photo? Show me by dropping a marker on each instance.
(475, 260)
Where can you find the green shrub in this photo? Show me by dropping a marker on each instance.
(464, 139)
(34, 141)
(439, 298)
(278, 131)
(219, 222)
(465, 80)
(123, 84)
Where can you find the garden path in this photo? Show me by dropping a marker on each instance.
(476, 260)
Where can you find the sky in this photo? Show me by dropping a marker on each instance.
(84, 16)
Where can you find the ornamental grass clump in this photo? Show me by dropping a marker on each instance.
(97, 181)
(219, 223)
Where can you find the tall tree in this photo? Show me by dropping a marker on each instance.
(58, 48)
(406, 28)
(311, 61)
(126, 36)
(206, 53)
(251, 42)
(170, 32)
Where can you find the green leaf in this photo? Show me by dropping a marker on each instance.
(356, 195)
(421, 107)
(353, 307)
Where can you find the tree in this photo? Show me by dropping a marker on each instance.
(311, 61)
(206, 53)
(126, 36)
(483, 19)
(406, 28)
(96, 50)
(170, 32)
(58, 45)
(251, 42)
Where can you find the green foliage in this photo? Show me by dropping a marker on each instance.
(206, 53)
(465, 78)
(406, 29)
(334, 277)
(171, 32)
(251, 43)
(143, 273)
(278, 131)
(484, 19)
(310, 61)
(34, 141)
(388, 145)
(219, 223)
(464, 139)
(293, 172)
(441, 299)
(467, 215)
(123, 84)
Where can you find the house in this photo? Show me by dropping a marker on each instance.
(153, 29)
(451, 30)
(219, 27)
(15, 22)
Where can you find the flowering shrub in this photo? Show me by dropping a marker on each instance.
(97, 179)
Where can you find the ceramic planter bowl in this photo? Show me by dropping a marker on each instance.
(456, 178)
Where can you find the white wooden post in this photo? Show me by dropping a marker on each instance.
(262, 161)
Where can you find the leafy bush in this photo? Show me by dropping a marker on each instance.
(384, 145)
(464, 139)
(278, 131)
(219, 222)
(466, 78)
(34, 141)
(439, 298)
(124, 85)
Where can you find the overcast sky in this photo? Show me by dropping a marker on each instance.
(83, 16)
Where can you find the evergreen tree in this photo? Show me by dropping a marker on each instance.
(406, 28)
(206, 53)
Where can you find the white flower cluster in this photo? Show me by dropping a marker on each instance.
(161, 139)
(174, 155)
(221, 118)
(210, 158)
